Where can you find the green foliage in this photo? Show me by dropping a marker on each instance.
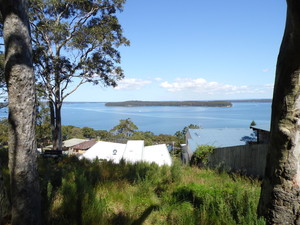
(181, 134)
(125, 128)
(88, 132)
(69, 132)
(100, 192)
(74, 40)
(3, 132)
(200, 156)
(227, 204)
(252, 123)
(89, 29)
(43, 130)
(104, 135)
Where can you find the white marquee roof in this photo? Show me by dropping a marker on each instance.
(133, 151)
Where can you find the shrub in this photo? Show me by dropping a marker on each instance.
(200, 156)
(220, 205)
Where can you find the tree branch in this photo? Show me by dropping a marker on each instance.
(80, 83)
(78, 24)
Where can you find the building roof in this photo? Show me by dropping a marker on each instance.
(158, 154)
(264, 127)
(133, 151)
(84, 145)
(69, 143)
(218, 137)
(105, 150)
(72, 142)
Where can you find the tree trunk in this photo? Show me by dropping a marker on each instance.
(52, 123)
(25, 194)
(55, 115)
(58, 126)
(279, 201)
(4, 203)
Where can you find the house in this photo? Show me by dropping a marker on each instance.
(234, 152)
(218, 137)
(262, 133)
(67, 145)
(105, 150)
(71, 142)
(158, 154)
(133, 151)
(81, 147)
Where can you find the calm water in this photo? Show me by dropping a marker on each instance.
(166, 120)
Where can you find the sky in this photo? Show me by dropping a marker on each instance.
(195, 50)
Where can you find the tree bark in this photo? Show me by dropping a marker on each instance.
(4, 203)
(25, 195)
(55, 115)
(279, 201)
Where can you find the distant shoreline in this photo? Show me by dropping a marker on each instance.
(171, 103)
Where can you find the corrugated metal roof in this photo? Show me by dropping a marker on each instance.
(218, 137)
(72, 142)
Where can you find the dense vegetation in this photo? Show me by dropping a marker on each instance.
(82, 192)
(171, 103)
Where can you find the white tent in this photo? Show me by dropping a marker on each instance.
(133, 151)
(105, 150)
(158, 154)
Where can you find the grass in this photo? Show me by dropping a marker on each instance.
(86, 193)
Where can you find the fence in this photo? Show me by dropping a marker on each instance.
(248, 159)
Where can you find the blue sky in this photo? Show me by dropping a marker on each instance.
(196, 50)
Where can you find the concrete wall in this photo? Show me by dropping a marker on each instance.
(248, 159)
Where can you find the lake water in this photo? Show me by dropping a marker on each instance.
(164, 120)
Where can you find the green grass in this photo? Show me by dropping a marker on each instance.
(86, 193)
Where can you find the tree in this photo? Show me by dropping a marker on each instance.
(74, 41)
(250, 139)
(125, 128)
(69, 132)
(181, 134)
(43, 131)
(24, 180)
(279, 201)
(88, 132)
(252, 123)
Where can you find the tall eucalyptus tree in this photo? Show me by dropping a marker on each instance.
(74, 41)
(20, 80)
(280, 196)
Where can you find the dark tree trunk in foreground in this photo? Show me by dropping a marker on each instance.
(4, 202)
(25, 196)
(279, 201)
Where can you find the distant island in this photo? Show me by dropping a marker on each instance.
(171, 103)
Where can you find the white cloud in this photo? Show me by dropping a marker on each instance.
(158, 79)
(266, 70)
(131, 84)
(203, 86)
(269, 86)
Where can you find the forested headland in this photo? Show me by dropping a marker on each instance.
(171, 103)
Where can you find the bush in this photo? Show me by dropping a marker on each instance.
(100, 192)
(200, 156)
(219, 205)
